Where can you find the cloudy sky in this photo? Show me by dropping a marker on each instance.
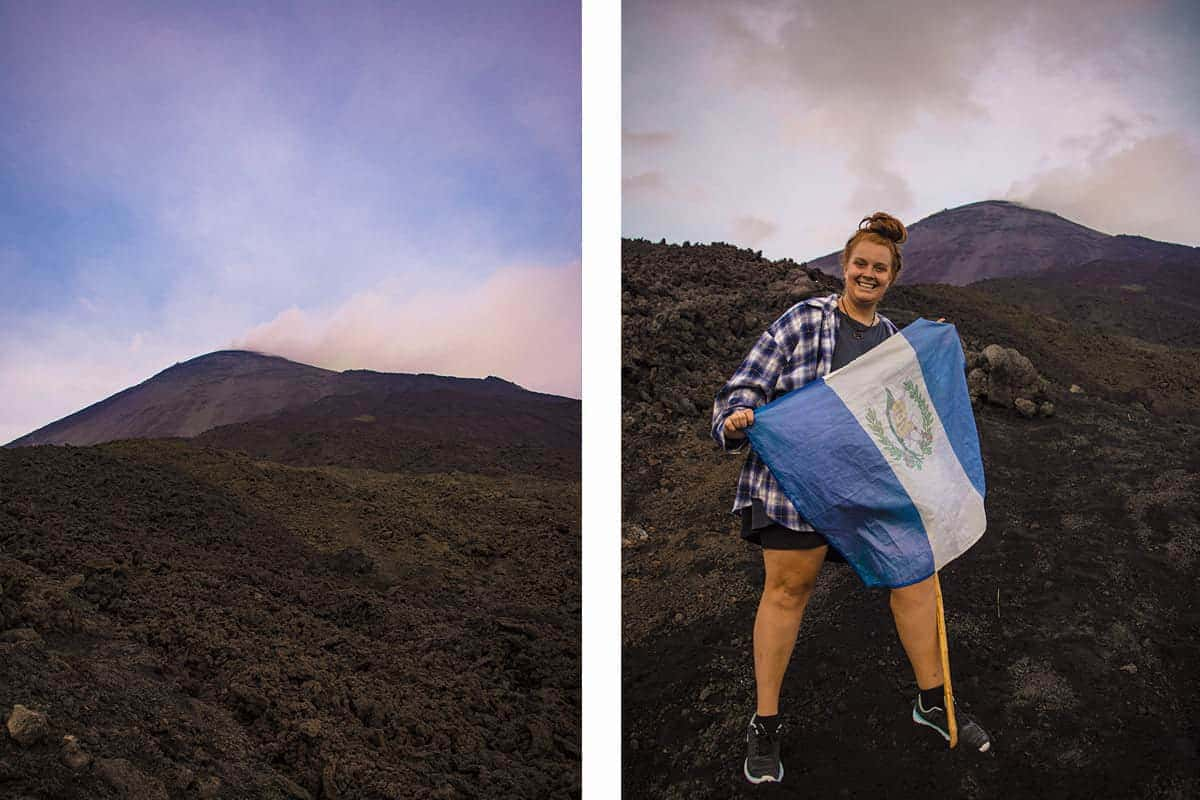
(778, 124)
(393, 186)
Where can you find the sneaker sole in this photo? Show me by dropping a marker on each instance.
(917, 718)
(764, 778)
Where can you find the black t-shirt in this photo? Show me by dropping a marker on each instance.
(854, 339)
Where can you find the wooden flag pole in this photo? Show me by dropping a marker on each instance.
(945, 650)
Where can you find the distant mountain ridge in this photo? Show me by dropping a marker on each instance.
(235, 387)
(1156, 302)
(1000, 239)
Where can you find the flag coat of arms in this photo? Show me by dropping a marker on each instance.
(882, 456)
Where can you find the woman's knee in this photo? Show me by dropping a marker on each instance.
(916, 596)
(789, 592)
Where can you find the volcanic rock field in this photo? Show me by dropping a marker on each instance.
(304, 616)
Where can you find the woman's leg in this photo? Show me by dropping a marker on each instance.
(915, 611)
(791, 575)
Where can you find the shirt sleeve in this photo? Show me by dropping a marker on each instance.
(751, 386)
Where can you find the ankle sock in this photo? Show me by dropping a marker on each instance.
(769, 724)
(933, 697)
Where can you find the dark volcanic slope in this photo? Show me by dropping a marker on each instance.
(491, 427)
(214, 389)
(1158, 302)
(1074, 623)
(995, 238)
(207, 625)
(233, 387)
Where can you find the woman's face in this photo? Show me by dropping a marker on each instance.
(868, 272)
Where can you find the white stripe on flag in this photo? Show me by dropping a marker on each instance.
(951, 509)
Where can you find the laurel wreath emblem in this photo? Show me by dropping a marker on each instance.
(896, 446)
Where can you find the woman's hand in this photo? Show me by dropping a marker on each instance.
(739, 420)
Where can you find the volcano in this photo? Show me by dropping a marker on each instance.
(998, 239)
(237, 387)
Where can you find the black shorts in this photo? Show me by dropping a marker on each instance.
(777, 537)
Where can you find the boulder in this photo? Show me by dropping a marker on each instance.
(26, 726)
(1004, 377)
(72, 755)
(994, 355)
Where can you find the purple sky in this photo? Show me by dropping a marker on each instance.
(779, 124)
(392, 186)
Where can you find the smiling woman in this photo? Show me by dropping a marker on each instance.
(810, 340)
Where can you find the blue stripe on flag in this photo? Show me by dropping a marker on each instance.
(833, 487)
(942, 364)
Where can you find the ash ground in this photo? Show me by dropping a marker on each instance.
(211, 625)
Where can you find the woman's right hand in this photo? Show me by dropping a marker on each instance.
(739, 420)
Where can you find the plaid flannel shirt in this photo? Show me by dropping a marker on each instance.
(796, 349)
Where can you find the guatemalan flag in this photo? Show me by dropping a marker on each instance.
(882, 456)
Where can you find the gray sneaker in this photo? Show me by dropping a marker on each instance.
(970, 733)
(762, 754)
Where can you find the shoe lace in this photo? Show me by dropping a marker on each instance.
(763, 741)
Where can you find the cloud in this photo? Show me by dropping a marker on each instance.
(522, 324)
(756, 83)
(653, 181)
(1114, 132)
(879, 187)
(822, 112)
(1147, 188)
(752, 230)
(254, 163)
